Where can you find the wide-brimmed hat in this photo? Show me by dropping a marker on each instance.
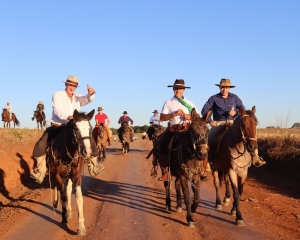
(225, 82)
(100, 109)
(155, 111)
(72, 80)
(125, 112)
(40, 102)
(179, 83)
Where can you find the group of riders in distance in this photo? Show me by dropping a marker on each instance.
(187, 148)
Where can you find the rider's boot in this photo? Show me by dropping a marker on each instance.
(38, 174)
(109, 141)
(257, 161)
(165, 174)
(93, 170)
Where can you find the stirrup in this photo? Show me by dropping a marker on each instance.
(261, 161)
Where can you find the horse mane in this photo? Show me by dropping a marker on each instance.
(251, 114)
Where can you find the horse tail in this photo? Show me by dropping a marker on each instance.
(17, 121)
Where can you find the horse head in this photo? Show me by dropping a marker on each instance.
(198, 132)
(81, 132)
(247, 123)
(101, 130)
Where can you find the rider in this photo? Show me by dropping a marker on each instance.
(177, 111)
(63, 103)
(102, 118)
(126, 119)
(40, 108)
(154, 122)
(225, 110)
(9, 109)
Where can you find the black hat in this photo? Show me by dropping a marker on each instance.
(125, 112)
(179, 83)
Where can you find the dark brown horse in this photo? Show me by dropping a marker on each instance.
(66, 157)
(124, 136)
(232, 158)
(153, 133)
(102, 143)
(187, 153)
(6, 119)
(38, 115)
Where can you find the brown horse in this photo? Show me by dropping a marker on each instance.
(102, 143)
(66, 157)
(153, 133)
(231, 159)
(38, 115)
(6, 119)
(187, 152)
(124, 136)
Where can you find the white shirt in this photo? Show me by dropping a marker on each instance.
(8, 107)
(63, 107)
(171, 106)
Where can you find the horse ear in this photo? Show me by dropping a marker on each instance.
(193, 114)
(207, 116)
(75, 113)
(254, 110)
(241, 111)
(91, 114)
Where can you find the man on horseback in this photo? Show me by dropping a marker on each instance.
(225, 110)
(40, 108)
(102, 118)
(63, 103)
(177, 111)
(9, 110)
(154, 122)
(126, 119)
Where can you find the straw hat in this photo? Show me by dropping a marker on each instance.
(125, 112)
(155, 111)
(179, 83)
(225, 82)
(100, 109)
(72, 80)
(40, 102)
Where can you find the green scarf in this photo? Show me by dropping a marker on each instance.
(184, 103)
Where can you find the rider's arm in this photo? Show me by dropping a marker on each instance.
(207, 106)
(108, 121)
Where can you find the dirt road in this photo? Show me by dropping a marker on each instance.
(126, 203)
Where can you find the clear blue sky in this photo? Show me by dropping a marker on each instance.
(130, 51)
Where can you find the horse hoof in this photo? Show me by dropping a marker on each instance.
(233, 213)
(240, 223)
(191, 224)
(219, 207)
(81, 232)
(226, 201)
(178, 209)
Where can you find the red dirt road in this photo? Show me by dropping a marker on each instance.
(126, 203)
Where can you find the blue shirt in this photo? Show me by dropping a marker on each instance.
(221, 106)
(154, 119)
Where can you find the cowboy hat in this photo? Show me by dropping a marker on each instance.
(40, 102)
(155, 111)
(225, 82)
(179, 83)
(125, 112)
(72, 80)
(100, 109)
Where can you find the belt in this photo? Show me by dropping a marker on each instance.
(179, 127)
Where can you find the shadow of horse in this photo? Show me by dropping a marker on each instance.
(124, 136)
(6, 119)
(38, 115)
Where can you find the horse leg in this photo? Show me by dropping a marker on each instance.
(217, 187)
(104, 154)
(226, 200)
(168, 198)
(187, 200)
(196, 190)
(235, 211)
(178, 195)
(69, 193)
(79, 200)
(55, 197)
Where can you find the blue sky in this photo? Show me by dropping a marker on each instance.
(130, 51)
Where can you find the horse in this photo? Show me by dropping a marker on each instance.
(124, 136)
(187, 153)
(6, 119)
(231, 158)
(66, 156)
(153, 133)
(38, 115)
(102, 139)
